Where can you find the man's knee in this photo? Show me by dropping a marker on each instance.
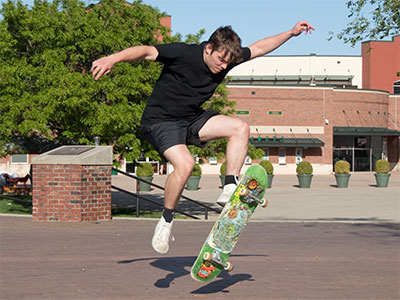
(243, 129)
(184, 167)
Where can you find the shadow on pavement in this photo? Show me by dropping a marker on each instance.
(179, 266)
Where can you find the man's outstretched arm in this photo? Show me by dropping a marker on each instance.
(269, 44)
(104, 65)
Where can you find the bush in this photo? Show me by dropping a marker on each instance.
(144, 170)
(304, 167)
(342, 167)
(196, 170)
(382, 166)
(222, 169)
(266, 164)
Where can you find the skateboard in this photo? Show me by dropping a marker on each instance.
(213, 256)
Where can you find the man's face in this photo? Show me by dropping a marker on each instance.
(216, 60)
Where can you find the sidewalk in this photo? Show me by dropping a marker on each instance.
(361, 202)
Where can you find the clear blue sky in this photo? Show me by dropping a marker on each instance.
(256, 19)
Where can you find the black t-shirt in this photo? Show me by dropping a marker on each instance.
(185, 83)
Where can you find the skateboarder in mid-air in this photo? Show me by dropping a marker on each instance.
(173, 117)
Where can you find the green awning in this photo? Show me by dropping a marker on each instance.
(365, 131)
(286, 142)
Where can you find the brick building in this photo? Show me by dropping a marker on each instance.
(323, 108)
(381, 65)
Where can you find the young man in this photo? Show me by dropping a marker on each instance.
(173, 117)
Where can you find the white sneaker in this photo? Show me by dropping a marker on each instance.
(226, 194)
(162, 235)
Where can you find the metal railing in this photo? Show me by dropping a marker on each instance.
(138, 196)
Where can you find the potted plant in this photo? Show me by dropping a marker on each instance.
(342, 170)
(222, 172)
(269, 168)
(145, 171)
(193, 182)
(382, 168)
(304, 172)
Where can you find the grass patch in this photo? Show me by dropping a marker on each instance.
(22, 205)
(15, 204)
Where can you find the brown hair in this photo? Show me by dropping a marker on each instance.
(224, 38)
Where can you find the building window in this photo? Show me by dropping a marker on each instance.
(266, 154)
(282, 156)
(213, 160)
(396, 87)
(299, 155)
(247, 160)
(19, 158)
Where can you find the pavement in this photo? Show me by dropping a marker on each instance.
(362, 201)
(317, 243)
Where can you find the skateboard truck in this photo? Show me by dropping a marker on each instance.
(249, 198)
(215, 257)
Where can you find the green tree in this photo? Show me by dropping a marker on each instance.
(370, 19)
(47, 94)
(46, 90)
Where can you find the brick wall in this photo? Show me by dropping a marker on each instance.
(71, 192)
(313, 107)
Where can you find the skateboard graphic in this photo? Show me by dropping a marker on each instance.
(213, 256)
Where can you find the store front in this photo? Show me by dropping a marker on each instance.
(361, 146)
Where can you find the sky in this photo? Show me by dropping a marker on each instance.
(256, 19)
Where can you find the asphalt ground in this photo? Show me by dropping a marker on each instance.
(114, 260)
(319, 243)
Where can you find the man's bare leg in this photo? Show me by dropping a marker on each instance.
(183, 163)
(237, 132)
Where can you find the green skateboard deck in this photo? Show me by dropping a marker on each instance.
(213, 256)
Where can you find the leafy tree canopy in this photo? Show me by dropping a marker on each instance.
(47, 95)
(370, 19)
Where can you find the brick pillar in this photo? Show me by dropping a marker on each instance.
(70, 192)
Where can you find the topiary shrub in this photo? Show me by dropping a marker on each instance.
(342, 167)
(382, 166)
(144, 170)
(266, 164)
(222, 169)
(304, 167)
(196, 170)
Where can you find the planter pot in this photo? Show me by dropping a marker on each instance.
(222, 178)
(193, 183)
(342, 180)
(304, 180)
(114, 172)
(270, 177)
(382, 180)
(145, 187)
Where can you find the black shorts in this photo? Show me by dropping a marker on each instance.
(166, 134)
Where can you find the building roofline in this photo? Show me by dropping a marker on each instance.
(320, 86)
(382, 41)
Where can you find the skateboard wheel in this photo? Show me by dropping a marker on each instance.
(243, 192)
(207, 256)
(264, 202)
(228, 266)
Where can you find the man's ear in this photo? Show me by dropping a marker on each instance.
(209, 49)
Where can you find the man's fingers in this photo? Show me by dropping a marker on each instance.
(98, 71)
(304, 26)
(99, 74)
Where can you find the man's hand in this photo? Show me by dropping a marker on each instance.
(300, 27)
(102, 66)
